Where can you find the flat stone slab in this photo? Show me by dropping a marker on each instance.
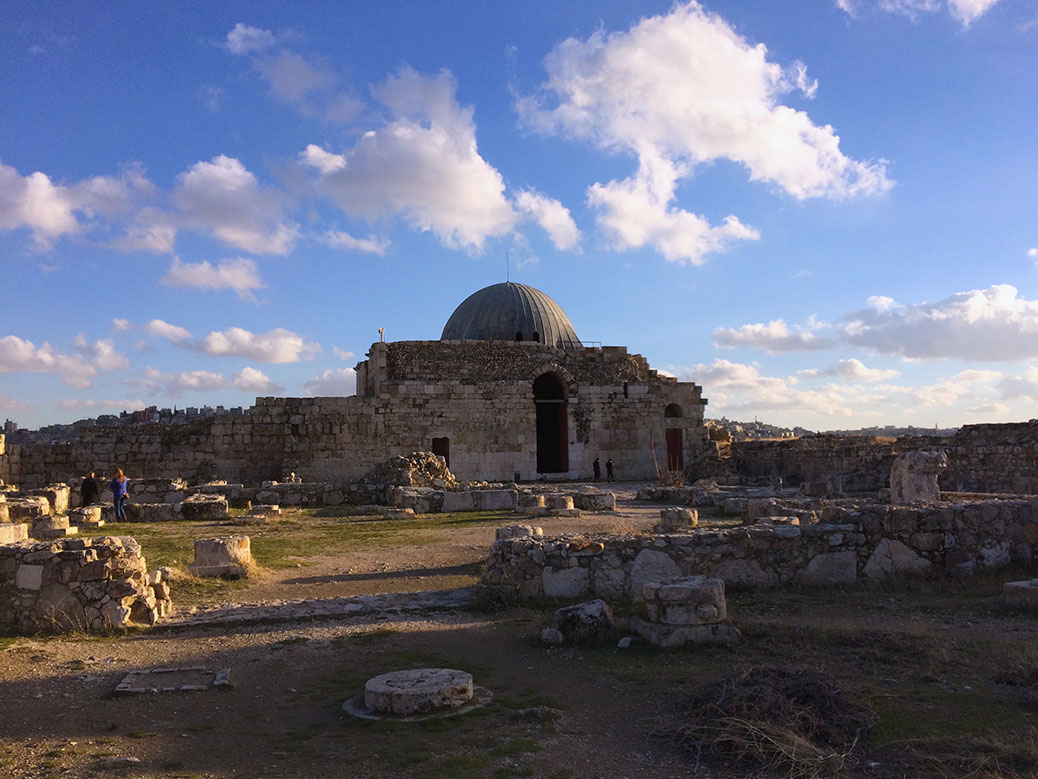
(1021, 594)
(186, 679)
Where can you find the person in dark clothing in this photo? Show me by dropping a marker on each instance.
(609, 470)
(118, 487)
(89, 490)
(597, 468)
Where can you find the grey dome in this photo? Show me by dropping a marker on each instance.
(510, 312)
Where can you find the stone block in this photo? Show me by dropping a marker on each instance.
(1022, 595)
(894, 560)
(591, 621)
(529, 500)
(147, 512)
(494, 500)
(519, 531)
(566, 583)
(563, 512)
(832, 568)
(13, 532)
(28, 577)
(556, 502)
(913, 477)
(87, 515)
(227, 556)
(673, 636)
(204, 508)
(458, 501)
(595, 500)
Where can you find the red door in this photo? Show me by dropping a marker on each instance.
(675, 457)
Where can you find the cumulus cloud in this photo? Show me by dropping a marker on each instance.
(338, 239)
(342, 354)
(224, 198)
(174, 333)
(775, 336)
(101, 353)
(1024, 386)
(122, 325)
(275, 346)
(553, 217)
(50, 210)
(253, 380)
(1033, 254)
(332, 383)
(245, 39)
(239, 274)
(852, 369)
(156, 382)
(982, 324)
(423, 166)
(19, 355)
(681, 90)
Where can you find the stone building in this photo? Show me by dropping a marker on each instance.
(509, 389)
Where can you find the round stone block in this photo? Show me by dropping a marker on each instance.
(414, 692)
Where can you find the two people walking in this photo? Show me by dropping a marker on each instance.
(597, 468)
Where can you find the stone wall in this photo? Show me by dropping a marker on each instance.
(78, 584)
(981, 458)
(857, 543)
(478, 395)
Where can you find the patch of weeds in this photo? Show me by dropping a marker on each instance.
(457, 766)
(371, 636)
(7, 643)
(516, 746)
(294, 740)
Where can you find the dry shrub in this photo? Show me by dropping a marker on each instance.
(789, 722)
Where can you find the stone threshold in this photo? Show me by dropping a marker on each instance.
(319, 608)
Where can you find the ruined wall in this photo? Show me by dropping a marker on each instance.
(479, 395)
(982, 458)
(878, 542)
(79, 584)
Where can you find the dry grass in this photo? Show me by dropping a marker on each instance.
(789, 722)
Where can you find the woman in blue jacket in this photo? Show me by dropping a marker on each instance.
(118, 487)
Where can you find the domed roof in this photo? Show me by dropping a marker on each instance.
(510, 312)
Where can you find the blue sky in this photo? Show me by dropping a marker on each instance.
(826, 213)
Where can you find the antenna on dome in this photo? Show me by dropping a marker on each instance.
(506, 266)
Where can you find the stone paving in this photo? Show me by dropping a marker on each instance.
(319, 608)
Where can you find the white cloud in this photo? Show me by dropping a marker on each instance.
(775, 336)
(49, 210)
(94, 403)
(122, 325)
(332, 383)
(324, 161)
(551, 215)
(681, 90)
(988, 409)
(7, 403)
(174, 333)
(244, 39)
(18, 355)
(275, 346)
(224, 198)
(1033, 254)
(852, 369)
(422, 166)
(239, 274)
(152, 231)
(635, 212)
(339, 239)
(963, 11)
(292, 77)
(1024, 386)
(986, 325)
(101, 353)
(342, 354)
(211, 97)
(158, 382)
(253, 380)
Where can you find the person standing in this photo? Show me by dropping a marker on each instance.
(89, 490)
(118, 487)
(609, 470)
(597, 468)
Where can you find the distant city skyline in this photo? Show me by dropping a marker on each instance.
(824, 213)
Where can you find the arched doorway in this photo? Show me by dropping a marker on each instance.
(549, 397)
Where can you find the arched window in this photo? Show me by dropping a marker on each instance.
(672, 410)
(536, 336)
(518, 335)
